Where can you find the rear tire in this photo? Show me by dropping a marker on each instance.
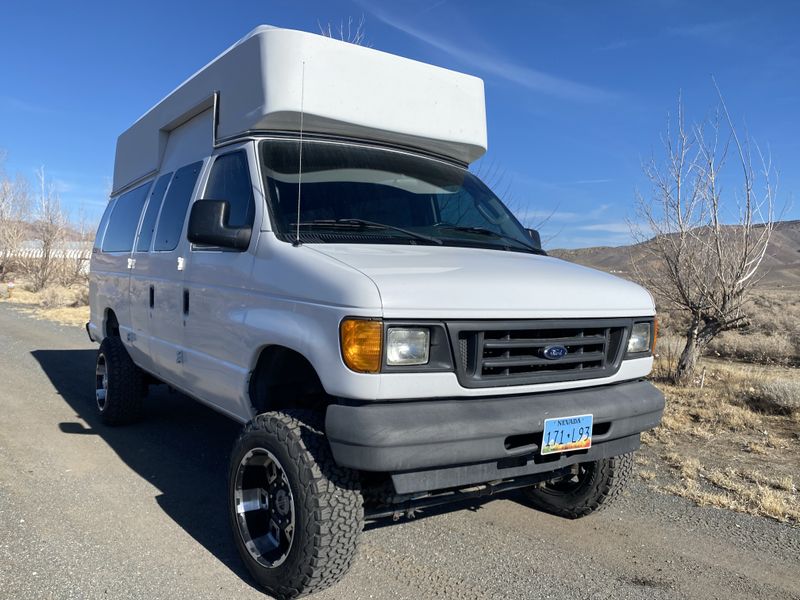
(296, 515)
(118, 384)
(592, 487)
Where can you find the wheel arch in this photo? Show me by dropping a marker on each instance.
(283, 378)
(110, 323)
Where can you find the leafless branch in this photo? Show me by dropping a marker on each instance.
(702, 258)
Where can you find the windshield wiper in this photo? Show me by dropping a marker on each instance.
(489, 232)
(374, 224)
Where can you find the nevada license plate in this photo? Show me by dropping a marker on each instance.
(563, 434)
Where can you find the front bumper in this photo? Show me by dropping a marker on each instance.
(433, 444)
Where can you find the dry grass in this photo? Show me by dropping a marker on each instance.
(647, 475)
(724, 448)
(67, 305)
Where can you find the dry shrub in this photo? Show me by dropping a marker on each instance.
(54, 297)
(775, 396)
(767, 348)
(81, 297)
(668, 350)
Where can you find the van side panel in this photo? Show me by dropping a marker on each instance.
(188, 144)
(217, 286)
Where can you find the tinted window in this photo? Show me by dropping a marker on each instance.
(124, 219)
(230, 180)
(173, 213)
(360, 194)
(151, 213)
(98, 239)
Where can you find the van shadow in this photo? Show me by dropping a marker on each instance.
(182, 448)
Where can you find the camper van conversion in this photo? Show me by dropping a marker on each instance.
(294, 239)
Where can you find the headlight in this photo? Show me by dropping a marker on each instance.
(640, 338)
(362, 341)
(407, 346)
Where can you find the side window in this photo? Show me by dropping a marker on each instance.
(151, 213)
(173, 213)
(101, 229)
(124, 220)
(230, 180)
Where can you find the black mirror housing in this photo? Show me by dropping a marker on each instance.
(208, 226)
(535, 238)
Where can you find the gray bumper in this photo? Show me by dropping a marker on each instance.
(413, 436)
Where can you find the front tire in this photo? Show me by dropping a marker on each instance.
(296, 516)
(591, 487)
(118, 384)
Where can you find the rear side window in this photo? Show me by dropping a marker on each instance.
(173, 213)
(151, 213)
(230, 180)
(101, 229)
(124, 220)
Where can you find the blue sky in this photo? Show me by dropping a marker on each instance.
(577, 92)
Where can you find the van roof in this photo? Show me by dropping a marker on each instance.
(265, 80)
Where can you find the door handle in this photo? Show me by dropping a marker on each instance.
(185, 302)
(152, 296)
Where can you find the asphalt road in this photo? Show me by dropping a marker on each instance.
(92, 512)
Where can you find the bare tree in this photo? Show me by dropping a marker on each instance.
(496, 178)
(50, 230)
(14, 207)
(75, 263)
(351, 32)
(706, 241)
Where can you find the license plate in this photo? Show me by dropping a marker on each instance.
(563, 434)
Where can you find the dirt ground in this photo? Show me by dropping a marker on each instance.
(733, 443)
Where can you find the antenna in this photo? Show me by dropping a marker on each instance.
(300, 158)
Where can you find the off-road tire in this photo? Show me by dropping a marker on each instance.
(599, 485)
(329, 514)
(122, 404)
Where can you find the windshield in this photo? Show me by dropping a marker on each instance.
(359, 194)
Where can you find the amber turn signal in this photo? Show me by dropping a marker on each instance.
(362, 342)
(655, 336)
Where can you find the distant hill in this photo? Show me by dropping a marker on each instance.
(782, 263)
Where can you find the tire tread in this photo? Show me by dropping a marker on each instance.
(333, 512)
(610, 480)
(124, 402)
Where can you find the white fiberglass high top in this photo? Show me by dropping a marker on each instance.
(260, 83)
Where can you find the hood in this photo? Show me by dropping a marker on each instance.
(475, 283)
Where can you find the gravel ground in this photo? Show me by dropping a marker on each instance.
(139, 512)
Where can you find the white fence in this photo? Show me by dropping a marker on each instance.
(57, 253)
(77, 253)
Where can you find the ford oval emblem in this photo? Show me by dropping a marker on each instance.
(554, 352)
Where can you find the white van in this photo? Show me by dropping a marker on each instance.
(294, 239)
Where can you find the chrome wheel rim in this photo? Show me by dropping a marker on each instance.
(264, 507)
(101, 382)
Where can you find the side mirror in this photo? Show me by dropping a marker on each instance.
(208, 225)
(535, 238)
